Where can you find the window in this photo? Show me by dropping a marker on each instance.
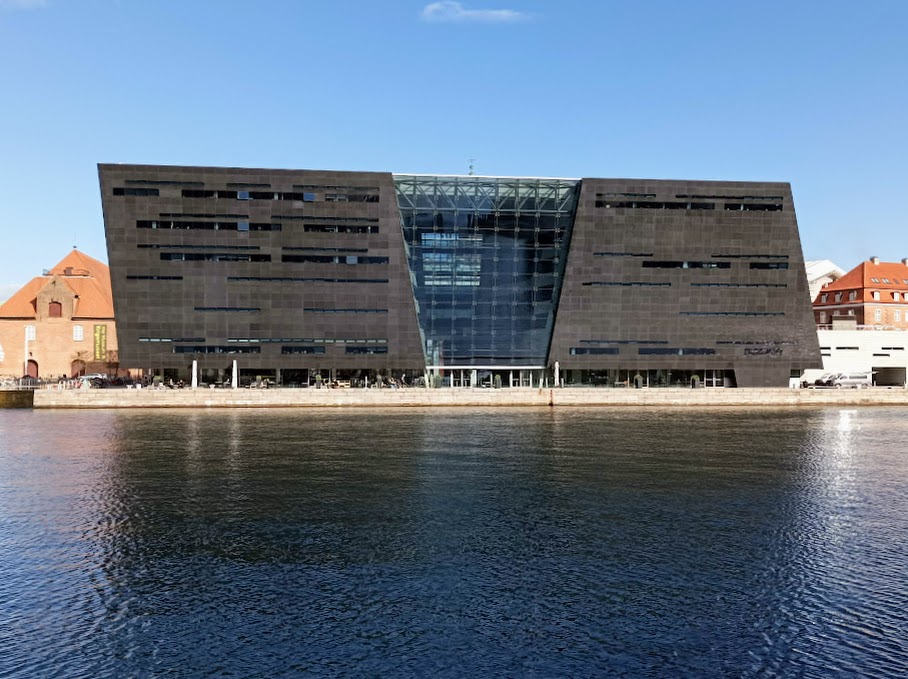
(823, 298)
(78, 333)
(851, 312)
(216, 350)
(685, 265)
(135, 192)
(593, 351)
(896, 296)
(55, 310)
(878, 315)
(822, 317)
(231, 309)
(302, 350)
(874, 280)
(897, 315)
(875, 294)
(838, 297)
(885, 280)
(852, 295)
(670, 351)
(30, 333)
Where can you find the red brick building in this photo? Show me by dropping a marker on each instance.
(63, 319)
(874, 293)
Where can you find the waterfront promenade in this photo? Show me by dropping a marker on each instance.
(328, 398)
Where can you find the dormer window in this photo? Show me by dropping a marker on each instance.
(55, 310)
(823, 298)
(838, 297)
(886, 280)
(896, 296)
(875, 294)
(874, 280)
(852, 295)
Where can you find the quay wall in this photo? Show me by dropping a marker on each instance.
(334, 398)
(13, 398)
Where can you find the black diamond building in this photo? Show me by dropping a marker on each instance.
(299, 276)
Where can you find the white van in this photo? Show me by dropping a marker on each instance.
(854, 380)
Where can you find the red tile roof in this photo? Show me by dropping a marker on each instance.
(861, 279)
(88, 278)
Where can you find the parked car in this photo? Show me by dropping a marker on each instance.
(854, 380)
(826, 380)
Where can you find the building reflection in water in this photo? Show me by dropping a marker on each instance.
(566, 541)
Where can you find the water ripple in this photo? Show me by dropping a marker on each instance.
(579, 542)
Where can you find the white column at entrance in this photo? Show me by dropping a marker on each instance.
(557, 374)
(234, 376)
(531, 378)
(474, 376)
(511, 378)
(195, 373)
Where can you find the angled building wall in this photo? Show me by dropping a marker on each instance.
(291, 270)
(675, 276)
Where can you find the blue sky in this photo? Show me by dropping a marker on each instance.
(813, 93)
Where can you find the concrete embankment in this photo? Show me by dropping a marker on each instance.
(328, 398)
(16, 398)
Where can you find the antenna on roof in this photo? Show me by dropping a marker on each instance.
(472, 166)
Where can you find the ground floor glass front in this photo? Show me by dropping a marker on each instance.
(444, 377)
(643, 379)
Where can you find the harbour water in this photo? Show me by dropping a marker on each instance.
(454, 542)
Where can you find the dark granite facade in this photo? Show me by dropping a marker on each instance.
(290, 270)
(303, 271)
(682, 275)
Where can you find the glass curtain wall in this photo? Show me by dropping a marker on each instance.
(487, 259)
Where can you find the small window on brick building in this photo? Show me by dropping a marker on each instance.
(878, 315)
(822, 317)
(838, 297)
(823, 298)
(30, 333)
(875, 294)
(896, 296)
(897, 315)
(78, 333)
(55, 310)
(853, 295)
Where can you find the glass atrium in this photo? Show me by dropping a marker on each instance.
(487, 258)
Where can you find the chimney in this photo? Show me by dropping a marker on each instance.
(875, 260)
(905, 261)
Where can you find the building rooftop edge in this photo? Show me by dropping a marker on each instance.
(436, 174)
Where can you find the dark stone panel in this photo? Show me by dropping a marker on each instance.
(711, 270)
(163, 303)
